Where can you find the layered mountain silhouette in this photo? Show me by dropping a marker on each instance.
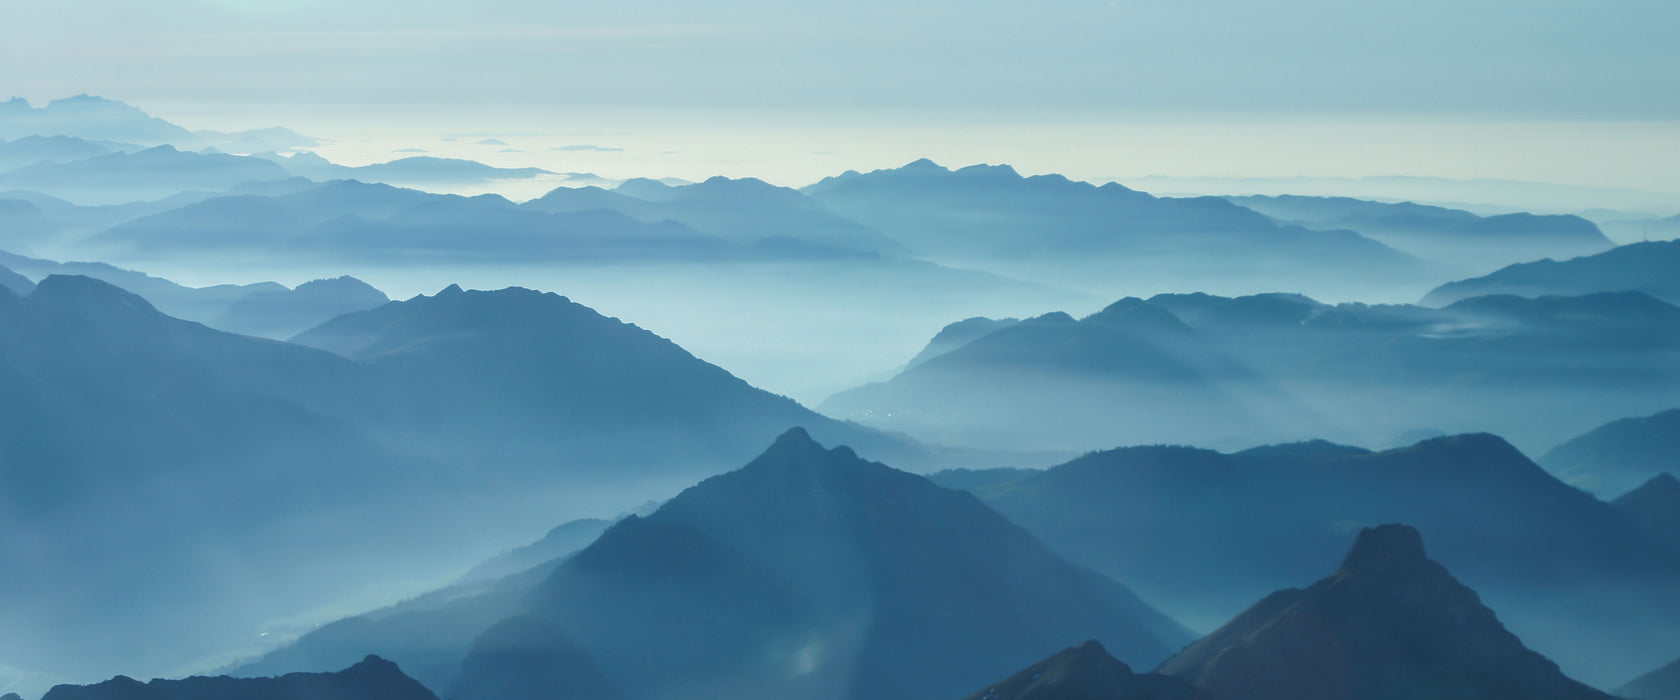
(371, 679)
(1389, 623)
(1086, 672)
(1618, 456)
(1131, 372)
(1652, 268)
(1661, 684)
(1202, 534)
(265, 309)
(744, 211)
(1058, 231)
(235, 468)
(1235, 372)
(807, 573)
(98, 119)
(34, 150)
(1439, 233)
(816, 573)
(153, 173)
(1656, 505)
(414, 170)
(353, 220)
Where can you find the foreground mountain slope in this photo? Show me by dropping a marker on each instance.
(1652, 268)
(1201, 534)
(1615, 457)
(371, 679)
(1085, 672)
(1389, 623)
(813, 573)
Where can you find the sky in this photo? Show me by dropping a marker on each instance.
(1579, 91)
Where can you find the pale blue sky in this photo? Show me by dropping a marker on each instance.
(1574, 91)
(1529, 58)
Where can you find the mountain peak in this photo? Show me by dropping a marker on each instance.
(923, 164)
(80, 291)
(1084, 671)
(1383, 547)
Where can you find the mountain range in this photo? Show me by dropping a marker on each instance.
(807, 573)
(1652, 268)
(1438, 233)
(1235, 372)
(1201, 533)
(372, 678)
(1615, 457)
(1389, 623)
(495, 408)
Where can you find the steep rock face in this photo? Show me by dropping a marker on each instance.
(372, 679)
(1086, 672)
(1389, 623)
(813, 573)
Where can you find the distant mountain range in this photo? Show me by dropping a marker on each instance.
(1096, 239)
(1235, 372)
(414, 170)
(494, 408)
(807, 573)
(371, 679)
(264, 309)
(1652, 268)
(1661, 684)
(98, 119)
(1389, 623)
(1201, 534)
(1616, 457)
(154, 173)
(1438, 233)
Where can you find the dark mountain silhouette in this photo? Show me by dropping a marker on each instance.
(1389, 623)
(283, 313)
(1656, 505)
(813, 573)
(372, 679)
(16, 283)
(1132, 372)
(265, 309)
(1201, 534)
(150, 174)
(355, 220)
(562, 540)
(1439, 233)
(1233, 372)
(33, 150)
(1652, 268)
(743, 211)
(543, 376)
(1085, 672)
(411, 170)
(959, 334)
(236, 469)
(1661, 684)
(1615, 457)
(1053, 230)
